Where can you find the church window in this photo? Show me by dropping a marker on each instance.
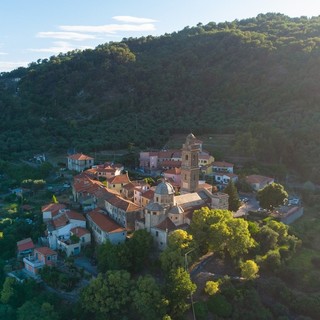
(186, 157)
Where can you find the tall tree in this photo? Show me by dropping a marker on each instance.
(148, 299)
(109, 295)
(234, 201)
(179, 288)
(271, 196)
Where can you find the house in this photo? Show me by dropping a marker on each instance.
(41, 257)
(79, 162)
(224, 177)
(104, 228)
(173, 174)
(88, 191)
(146, 197)
(138, 191)
(58, 228)
(118, 182)
(106, 170)
(258, 182)
(148, 160)
(25, 247)
(72, 245)
(49, 211)
(222, 166)
(123, 211)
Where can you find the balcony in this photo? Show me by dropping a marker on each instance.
(33, 262)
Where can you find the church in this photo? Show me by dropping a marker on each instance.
(168, 211)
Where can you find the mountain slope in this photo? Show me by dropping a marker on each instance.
(257, 77)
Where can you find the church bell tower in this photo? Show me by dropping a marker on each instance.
(190, 164)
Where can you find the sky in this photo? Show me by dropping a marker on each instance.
(38, 29)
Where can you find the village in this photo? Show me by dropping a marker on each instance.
(107, 206)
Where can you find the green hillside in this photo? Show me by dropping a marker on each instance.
(258, 79)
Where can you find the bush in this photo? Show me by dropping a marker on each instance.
(219, 305)
(201, 310)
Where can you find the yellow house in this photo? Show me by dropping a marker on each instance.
(206, 169)
(118, 182)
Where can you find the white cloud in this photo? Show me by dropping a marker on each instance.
(66, 35)
(110, 28)
(60, 46)
(130, 19)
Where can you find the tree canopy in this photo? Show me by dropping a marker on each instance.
(271, 196)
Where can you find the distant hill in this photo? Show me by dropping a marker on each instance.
(257, 78)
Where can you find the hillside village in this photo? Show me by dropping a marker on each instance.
(107, 206)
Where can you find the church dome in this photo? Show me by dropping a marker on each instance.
(164, 188)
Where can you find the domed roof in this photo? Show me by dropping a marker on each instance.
(164, 188)
(153, 206)
(176, 210)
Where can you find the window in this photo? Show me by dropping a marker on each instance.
(186, 157)
(48, 258)
(157, 233)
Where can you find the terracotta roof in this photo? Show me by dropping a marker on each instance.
(60, 221)
(176, 171)
(78, 231)
(79, 156)
(129, 186)
(170, 163)
(166, 224)
(123, 204)
(45, 251)
(53, 207)
(255, 178)
(75, 215)
(25, 244)
(222, 164)
(104, 222)
(149, 194)
(121, 178)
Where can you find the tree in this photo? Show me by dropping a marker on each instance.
(249, 269)
(148, 300)
(271, 196)
(140, 246)
(231, 235)
(109, 295)
(179, 242)
(114, 257)
(211, 288)
(32, 310)
(234, 201)
(201, 223)
(8, 290)
(179, 288)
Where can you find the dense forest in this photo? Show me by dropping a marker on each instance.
(258, 78)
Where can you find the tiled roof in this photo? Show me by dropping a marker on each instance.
(104, 222)
(170, 163)
(173, 171)
(60, 221)
(222, 164)
(45, 251)
(129, 186)
(75, 215)
(79, 232)
(166, 224)
(149, 194)
(79, 156)
(25, 244)
(122, 178)
(123, 204)
(53, 207)
(255, 178)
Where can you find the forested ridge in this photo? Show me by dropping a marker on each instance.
(258, 78)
